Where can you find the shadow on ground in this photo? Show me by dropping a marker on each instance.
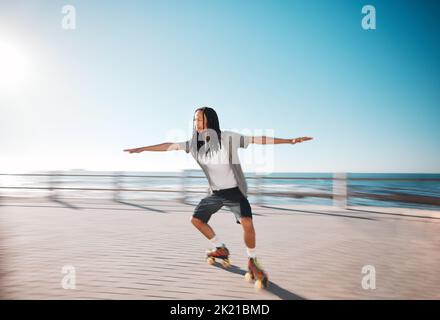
(394, 214)
(320, 213)
(272, 288)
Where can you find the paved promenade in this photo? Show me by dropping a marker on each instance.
(149, 250)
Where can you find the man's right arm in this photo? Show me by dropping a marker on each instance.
(167, 146)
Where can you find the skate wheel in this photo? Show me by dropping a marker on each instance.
(248, 277)
(226, 263)
(259, 284)
(210, 260)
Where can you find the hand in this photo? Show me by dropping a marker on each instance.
(301, 139)
(135, 150)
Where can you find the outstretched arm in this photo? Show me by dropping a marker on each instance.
(167, 146)
(270, 140)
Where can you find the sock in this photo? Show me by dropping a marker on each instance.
(252, 253)
(216, 242)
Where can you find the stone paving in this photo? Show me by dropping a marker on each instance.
(150, 250)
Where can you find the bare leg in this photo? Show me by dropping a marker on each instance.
(249, 232)
(204, 228)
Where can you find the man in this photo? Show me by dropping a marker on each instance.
(216, 153)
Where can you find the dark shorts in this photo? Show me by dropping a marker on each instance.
(232, 198)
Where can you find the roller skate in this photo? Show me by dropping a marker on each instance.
(219, 253)
(257, 274)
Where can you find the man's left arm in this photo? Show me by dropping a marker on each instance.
(271, 140)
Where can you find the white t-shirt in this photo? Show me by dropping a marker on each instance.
(219, 169)
(220, 173)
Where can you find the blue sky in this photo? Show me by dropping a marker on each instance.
(133, 72)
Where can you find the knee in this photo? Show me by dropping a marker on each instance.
(196, 221)
(247, 223)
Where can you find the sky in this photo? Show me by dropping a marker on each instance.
(132, 73)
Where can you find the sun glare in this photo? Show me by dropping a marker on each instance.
(14, 66)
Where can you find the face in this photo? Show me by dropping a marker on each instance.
(200, 121)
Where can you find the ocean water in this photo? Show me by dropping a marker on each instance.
(169, 185)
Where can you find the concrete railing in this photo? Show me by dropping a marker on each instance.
(340, 191)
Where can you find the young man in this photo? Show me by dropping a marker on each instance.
(216, 152)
